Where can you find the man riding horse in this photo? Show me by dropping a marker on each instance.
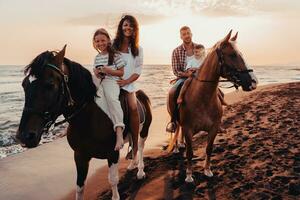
(180, 57)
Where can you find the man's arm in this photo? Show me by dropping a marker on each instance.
(175, 63)
(177, 69)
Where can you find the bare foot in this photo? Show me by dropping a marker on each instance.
(119, 144)
(120, 141)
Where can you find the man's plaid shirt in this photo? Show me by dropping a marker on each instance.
(179, 59)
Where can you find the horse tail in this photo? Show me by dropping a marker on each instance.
(173, 140)
(144, 99)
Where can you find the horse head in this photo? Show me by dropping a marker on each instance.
(232, 64)
(44, 88)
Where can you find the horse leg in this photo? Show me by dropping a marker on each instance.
(141, 173)
(113, 178)
(82, 166)
(209, 146)
(176, 134)
(173, 142)
(142, 139)
(134, 162)
(181, 144)
(176, 149)
(189, 154)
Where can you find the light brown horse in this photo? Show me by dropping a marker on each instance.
(54, 86)
(201, 109)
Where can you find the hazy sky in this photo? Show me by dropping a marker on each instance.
(269, 30)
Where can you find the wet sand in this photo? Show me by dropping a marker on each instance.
(257, 158)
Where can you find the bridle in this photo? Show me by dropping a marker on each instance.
(226, 69)
(64, 97)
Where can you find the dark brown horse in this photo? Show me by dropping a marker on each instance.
(54, 86)
(201, 109)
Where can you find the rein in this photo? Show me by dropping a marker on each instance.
(50, 117)
(70, 100)
(68, 118)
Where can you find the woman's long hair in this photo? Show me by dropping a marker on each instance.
(133, 40)
(111, 51)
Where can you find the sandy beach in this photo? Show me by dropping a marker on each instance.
(258, 157)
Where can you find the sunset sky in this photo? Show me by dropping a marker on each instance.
(269, 30)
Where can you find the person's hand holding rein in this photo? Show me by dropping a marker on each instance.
(185, 74)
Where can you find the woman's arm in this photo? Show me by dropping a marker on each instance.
(131, 79)
(137, 70)
(113, 72)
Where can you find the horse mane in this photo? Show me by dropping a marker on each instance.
(80, 79)
(36, 67)
(209, 54)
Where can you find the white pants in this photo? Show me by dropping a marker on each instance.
(108, 92)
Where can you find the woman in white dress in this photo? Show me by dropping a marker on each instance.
(127, 42)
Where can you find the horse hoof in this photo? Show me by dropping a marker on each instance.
(189, 179)
(208, 173)
(141, 175)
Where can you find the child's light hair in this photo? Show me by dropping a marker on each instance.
(101, 31)
(110, 50)
(199, 46)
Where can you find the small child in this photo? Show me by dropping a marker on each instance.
(196, 62)
(192, 65)
(109, 67)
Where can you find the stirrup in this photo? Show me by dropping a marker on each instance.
(171, 127)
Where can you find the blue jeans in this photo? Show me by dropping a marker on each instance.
(179, 82)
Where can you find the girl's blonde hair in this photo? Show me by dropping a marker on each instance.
(110, 49)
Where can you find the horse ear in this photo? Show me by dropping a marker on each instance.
(59, 58)
(234, 37)
(227, 37)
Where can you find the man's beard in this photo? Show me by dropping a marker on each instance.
(188, 42)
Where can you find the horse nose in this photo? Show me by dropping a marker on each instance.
(253, 84)
(29, 136)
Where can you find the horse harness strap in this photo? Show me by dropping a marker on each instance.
(70, 102)
(223, 65)
(65, 81)
(68, 118)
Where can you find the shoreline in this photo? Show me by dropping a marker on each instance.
(13, 96)
(23, 173)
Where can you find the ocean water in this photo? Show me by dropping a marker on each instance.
(154, 81)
